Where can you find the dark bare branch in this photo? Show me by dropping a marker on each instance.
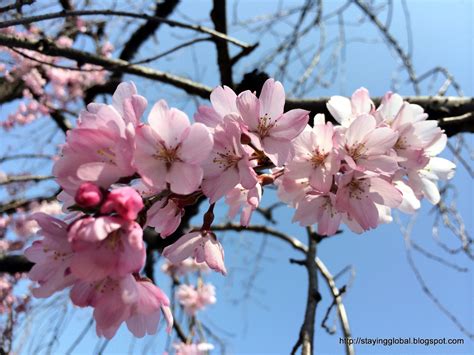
(219, 18)
(14, 263)
(172, 23)
(163, 9)
(455, 114)
(47, 47)
(25, 178)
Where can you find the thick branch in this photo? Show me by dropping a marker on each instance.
(47, 47)
(14, 263)
(455, 114)
(219, 18)
(10, 91)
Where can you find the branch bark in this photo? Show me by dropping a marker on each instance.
(171, 23)
(163, 9)
(306, 336)
(455, 114)
(47, 47)
(219, 18)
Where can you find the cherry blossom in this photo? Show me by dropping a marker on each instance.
(202, 245)
(105, 246)
(240, 198)
(317, 157)
(345, 110)
(269, 128)
(193, 348)
(52, 257)
(88, 195)
(120, 176)
(165, 216)
(125, 201)
(139, 303)
(170, 150)
(195, 299)
(228, 164)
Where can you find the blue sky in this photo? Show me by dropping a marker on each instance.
(384, 299)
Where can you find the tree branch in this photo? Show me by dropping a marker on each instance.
(455, 114)
(306, 337)
(47, 47)
(163, 9)
(25, 178)
(14, 263)
(12, 206)
(297, 245)
(172, 23)
(219, 18)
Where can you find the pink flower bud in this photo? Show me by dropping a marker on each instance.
(125, 201)
(88, 195)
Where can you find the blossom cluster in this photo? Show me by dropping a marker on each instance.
(375, 160)
(49, 83)
(120, 176)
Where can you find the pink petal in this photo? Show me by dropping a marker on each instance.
(361, 102)
(249, 107)
(384, 193)
(184, 178)
(279, 151)
(197, 145)
(291, 124)
(341, 109)
(170, 124)
(182, 248)
(223, 100)
(207, 116)
(272, 99)
(359, 129)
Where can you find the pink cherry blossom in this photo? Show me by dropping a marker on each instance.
(291, 190)
(100, 153)
(228, 163)
(223, 100)
(193, 348)
(358, 196)
(137, 302)
(170, 150)
(125, 101)
(106, 246)
(52, 257)
(125, 201)
(145, 314)
(184, 267)
(165, 216)
(316, 156)
(367, 147)
(345, 110)
(240, 198)
(203, 246)
(269, 128)
(88, 195)
(320, 209)
(195, 299)
(424, 181)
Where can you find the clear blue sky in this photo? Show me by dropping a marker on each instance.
(385, 299)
